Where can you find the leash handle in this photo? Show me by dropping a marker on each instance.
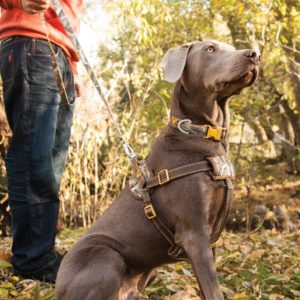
(59, 78)
(68, 28)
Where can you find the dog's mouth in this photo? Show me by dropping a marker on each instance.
(247, 79)
(236, 85)
(244, 80)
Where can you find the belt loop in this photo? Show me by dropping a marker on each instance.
(33, 45)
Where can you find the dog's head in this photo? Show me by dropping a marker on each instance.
(211, 66)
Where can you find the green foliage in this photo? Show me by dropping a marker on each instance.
(146, 29)
(141, 32)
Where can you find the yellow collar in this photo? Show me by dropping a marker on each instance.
(206, 131)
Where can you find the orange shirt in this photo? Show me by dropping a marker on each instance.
(14, 21)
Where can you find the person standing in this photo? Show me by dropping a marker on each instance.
(40, 121)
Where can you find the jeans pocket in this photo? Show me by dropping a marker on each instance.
(41, 64)
(6, 68)
(41, 73)
(42, 48)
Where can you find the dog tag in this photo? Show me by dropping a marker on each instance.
(222, 168)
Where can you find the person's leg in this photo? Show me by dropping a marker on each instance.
(41, 125)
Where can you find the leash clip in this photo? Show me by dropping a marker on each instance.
(129, 151)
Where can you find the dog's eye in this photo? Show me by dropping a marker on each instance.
(210, 49)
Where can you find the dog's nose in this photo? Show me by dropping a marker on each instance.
(253, 55)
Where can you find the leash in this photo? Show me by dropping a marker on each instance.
(56, 69)
(68, 28)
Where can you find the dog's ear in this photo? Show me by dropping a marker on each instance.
(173, 62)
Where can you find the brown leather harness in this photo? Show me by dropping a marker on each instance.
(219, 167)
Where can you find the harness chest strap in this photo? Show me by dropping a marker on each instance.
(175, 251)
(166, 175)
(219, 173)
(227, 204)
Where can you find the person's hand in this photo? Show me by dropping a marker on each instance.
(34, 6)
(78, 86)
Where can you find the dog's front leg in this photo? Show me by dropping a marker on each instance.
(199, 252)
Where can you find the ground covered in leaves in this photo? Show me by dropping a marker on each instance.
(259, 265)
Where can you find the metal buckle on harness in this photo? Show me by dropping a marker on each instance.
(149, 212)
(164, 173)
(216, 133)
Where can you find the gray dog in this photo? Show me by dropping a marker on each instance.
(114, 258)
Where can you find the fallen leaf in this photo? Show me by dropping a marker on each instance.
(4, 264)
(5, 255)
(14, 293)
(245, 249)
(15, 278)
(231, 247)
(191, 291)
(3, 293)
(295, 293)
(180, 296)
(241, 296)
(173, 287)
(276, 297)
(7, 285)
(228, 292)
(257, 253)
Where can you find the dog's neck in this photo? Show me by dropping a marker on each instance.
(199, 108)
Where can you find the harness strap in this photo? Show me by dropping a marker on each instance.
(166, 175)
(174, 251)
(227, 204)
(151, 215)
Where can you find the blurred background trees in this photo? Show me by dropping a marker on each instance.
(265, 128)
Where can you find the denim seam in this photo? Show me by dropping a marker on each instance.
(10, 53)
(29, 141)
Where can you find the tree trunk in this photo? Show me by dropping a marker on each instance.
(294, 121)
(294, 67)
(255, 124)
(288, 38)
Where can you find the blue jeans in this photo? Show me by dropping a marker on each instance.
(41, 125)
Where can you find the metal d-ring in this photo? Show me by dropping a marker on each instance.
(182, 122)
